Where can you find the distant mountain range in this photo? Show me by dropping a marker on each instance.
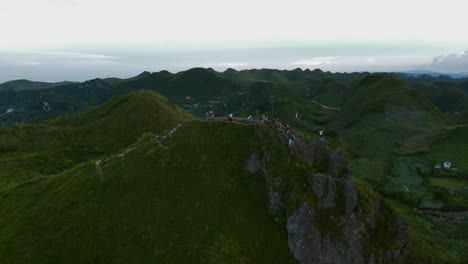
(434, 73)
(19, 85)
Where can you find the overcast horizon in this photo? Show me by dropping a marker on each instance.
(77, 40)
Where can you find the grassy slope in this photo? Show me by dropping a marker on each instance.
(192, 202)
(381, 113)
(451, 145)
(32, 151)
(391, 150)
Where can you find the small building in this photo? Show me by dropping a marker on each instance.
(447, 165)
(9, 111)
(45, 106)
(406, 189)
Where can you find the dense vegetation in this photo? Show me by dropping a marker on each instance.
(187, 200)
(394, 130)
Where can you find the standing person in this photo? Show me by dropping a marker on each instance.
(212, 117)
(207, 115)
(296, 118)
(290, 141)
(281, 128)
(321, 133)
(230, 117)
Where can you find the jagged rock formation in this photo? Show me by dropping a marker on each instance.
(320, 156)
(338, 222)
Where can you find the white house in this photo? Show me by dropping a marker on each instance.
(447, 165)
(45, 106)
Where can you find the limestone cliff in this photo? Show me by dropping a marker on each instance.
(328, 218)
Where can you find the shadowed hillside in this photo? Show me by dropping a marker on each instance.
(47, 148)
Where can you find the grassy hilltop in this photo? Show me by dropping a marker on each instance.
(33, 151)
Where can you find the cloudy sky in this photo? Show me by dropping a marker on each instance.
(55, 40)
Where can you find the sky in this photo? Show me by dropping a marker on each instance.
(55, 40)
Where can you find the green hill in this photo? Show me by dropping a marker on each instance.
(380, 113)
(395, 136)
(190, 203)
(390, 96)
(200, 82)
(47, 148)
(20, 85)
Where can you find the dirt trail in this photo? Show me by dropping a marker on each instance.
(100, 164)
(99, 169)
(326, 107)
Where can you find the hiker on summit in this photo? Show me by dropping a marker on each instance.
(296, 118)
(230, 117)
(280, 129)
(290, 141)
(212, 117)
(250, 118)
(321, 133)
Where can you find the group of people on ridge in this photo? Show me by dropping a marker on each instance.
(209, 115)
(285, 129)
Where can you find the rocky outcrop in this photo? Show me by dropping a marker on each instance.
(257, 164)
(350, 196)
(324, 188)
(320, 156)
(336, 164)
(334, 226)
(332, 220)
(254, 164)
(302, 235)
(335, 229)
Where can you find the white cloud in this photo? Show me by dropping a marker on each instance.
(315, 61)
(308, 63)
(455, 62)
(233, 64)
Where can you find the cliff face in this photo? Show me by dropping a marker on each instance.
(334, 220)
